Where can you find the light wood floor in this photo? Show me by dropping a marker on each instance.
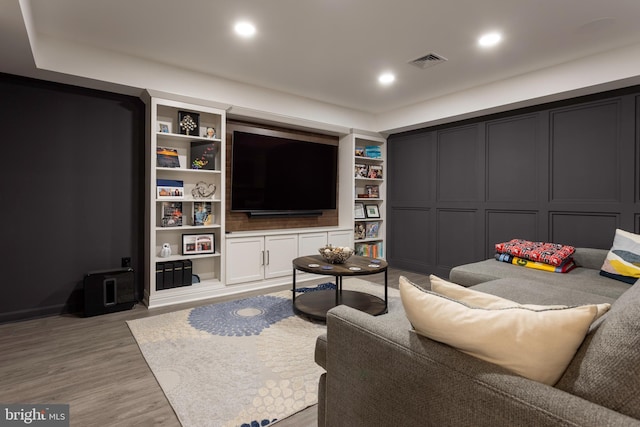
(95, 365)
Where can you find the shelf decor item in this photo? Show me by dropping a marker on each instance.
(372, 151)
(165, 252)
(170, 189)
(203, 155)
(372, 211)
(202, 213)
(210, 133)
(361, 171)
(375, 172)
(372, 230)
(188, 123)
(196, 244)
(359, 211)
(171, 214)
(167, 158)
(335, 255)
(372, 191)
(203, 190)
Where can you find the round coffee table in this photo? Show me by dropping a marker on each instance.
(315, 304)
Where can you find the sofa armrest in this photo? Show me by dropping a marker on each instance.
(381, 373)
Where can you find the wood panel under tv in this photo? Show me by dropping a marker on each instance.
(240, 221)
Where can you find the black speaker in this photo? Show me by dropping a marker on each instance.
(109, 291)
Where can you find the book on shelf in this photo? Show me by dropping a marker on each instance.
(167, 158)
(370, 250)
(361, 171)
(203, 155)
(171, 214)
(359, 231)
(372, 229)
(202, 213)
(373, 151)
(170, 189)
(375, 171)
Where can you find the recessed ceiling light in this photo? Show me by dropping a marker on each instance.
(490, 39)
(386, 78)
(245, 29)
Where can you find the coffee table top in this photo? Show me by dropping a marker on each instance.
(354, 266)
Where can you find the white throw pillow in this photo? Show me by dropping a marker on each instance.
(537, 344)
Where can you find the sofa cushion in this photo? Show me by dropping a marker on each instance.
(579, 279)
(606, 368)
(623, 260)
(526, 291)
(537, 344)
(477, 298)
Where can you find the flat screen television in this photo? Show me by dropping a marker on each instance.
(272, 175)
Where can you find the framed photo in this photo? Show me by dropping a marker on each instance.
(372, 230)
(164, 127)
(196, 244)
(169, 189)
(372, 211)
(359, 231)
(359, 211)
(189, 123)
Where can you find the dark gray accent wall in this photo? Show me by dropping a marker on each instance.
(72, 175)
(566, 172)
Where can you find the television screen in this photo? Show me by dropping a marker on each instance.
(272, 174)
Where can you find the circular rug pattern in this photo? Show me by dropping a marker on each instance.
(243, 317)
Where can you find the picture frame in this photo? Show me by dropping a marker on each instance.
(372, 211)
(359, 231)
(358, 211)
(164, 126)
(372, 230)
(198, 244)
(167, 157)
(188, 123)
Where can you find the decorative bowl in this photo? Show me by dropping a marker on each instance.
(335, 255)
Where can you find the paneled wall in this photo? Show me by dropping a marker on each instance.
(72, 174)
(567, 172)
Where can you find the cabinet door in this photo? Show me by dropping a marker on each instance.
(341, 238)
(309, 243)
(280, 251)
(245, 259)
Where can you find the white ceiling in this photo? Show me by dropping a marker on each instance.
(328, 50)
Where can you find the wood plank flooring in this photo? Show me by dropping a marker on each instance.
(94, 365)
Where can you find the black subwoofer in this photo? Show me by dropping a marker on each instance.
(109, 291)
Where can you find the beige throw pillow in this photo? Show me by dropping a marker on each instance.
(537, 344)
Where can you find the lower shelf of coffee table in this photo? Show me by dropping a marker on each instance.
(315, 304)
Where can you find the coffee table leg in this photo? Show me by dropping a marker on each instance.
(386, 304)
(338, 289)
(293, 295)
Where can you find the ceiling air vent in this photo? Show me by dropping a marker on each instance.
(429, 60)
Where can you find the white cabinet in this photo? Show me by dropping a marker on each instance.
(340, 238)
(279, 252)
(245, 259)
(261, 257)
(185, 203)
(310, 243)
(267, 258)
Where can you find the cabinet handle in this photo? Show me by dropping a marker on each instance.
(262, 258)
(267, 258)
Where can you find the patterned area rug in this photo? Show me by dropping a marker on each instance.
(248, 362)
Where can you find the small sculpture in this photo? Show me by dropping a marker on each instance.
(165, 252)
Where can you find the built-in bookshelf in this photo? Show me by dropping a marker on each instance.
(185, 202)
(365, 156)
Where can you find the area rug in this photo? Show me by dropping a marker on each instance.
(247, 362)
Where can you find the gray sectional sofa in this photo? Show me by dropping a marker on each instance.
(381, 373)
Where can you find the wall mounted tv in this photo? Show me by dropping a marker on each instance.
(273, 175)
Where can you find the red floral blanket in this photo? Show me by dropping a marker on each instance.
(548, 253)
